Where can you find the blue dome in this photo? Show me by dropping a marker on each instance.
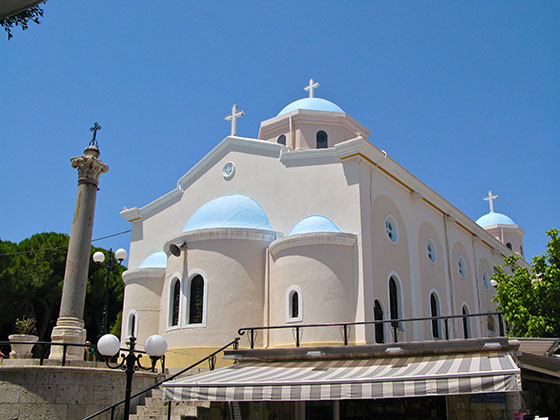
(494, 218)
(314, 104)
(236, 210)
(314, 223)
(156, 260)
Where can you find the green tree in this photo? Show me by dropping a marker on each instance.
(529, 298)
(21, 19)
(31, 278)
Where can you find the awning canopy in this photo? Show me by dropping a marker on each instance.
(351, 379)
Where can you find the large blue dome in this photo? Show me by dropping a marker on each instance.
(235, 210)
(494, 218)
(315, 223)
(156, 260)
(313, 104)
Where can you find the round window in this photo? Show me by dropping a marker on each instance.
(431, 251)
(461, 267)
(228, 170)
(485, 280)
(391, 229)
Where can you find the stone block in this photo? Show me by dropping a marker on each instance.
(9, 411)
(10, 393)
(75, 412)
(28, 395)
(46, 392)
(67, 394)
(56, 412)
(32, 411)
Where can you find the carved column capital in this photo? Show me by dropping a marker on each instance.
(89, 169)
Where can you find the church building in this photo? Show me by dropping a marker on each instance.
(308, 223)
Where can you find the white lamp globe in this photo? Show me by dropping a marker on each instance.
(494, 283)
(156, 345)
(99, 257)
(120, 254)
(108, 345)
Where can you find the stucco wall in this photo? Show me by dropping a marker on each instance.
(325, 276)
(234, 271)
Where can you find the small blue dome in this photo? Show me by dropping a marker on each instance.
(494, 218)
(315, 223)
(313, 104)
(156, 260)
(235, 210)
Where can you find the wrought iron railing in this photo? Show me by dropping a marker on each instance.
(45, 349)
(211, 358)
(345, 326)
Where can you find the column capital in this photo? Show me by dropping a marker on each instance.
(89, 168)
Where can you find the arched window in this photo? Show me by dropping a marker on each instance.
(196, 300)
(509, 245)
(294, 313)
(174, 302)
(132, 324)
(434, 309)
(322, 140)
(281, 140)
(394, 300)
(378, 316)
(466, 323)
(294, 304)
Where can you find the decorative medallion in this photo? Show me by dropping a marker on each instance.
(229, 170)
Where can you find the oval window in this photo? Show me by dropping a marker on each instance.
(431, 251)
(391, 229)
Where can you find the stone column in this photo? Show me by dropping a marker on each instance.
(70, 324)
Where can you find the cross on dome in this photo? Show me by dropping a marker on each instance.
(233, 118)
(491, 199)
(311, 88)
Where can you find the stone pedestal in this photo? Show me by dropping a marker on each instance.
(68, 330)
(70, 325)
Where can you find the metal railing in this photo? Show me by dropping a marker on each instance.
(395, 326)
(45, 349)
(211, 358)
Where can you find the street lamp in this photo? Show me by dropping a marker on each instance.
(109, 346)
(98, 258)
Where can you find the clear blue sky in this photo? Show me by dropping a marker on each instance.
(465, 95)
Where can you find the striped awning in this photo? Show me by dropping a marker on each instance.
(351, 379)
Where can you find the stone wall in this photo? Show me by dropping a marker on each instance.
(63, 393)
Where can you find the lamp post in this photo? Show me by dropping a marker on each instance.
(109, 346)
(99, 257)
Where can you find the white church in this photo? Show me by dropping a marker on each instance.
(308, 223)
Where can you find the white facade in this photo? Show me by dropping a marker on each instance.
(251, 255)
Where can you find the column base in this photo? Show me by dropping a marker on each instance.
(68, 330)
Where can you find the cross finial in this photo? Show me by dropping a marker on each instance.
(233, 118)
(96, 127)
(311, 87)
(491, 199)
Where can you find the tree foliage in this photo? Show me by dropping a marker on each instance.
(22, 19)
(529, 298)
(31, 278)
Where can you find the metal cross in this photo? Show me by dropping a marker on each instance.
(311, 88)
(491, 199)
(233, 118)
(96, 127)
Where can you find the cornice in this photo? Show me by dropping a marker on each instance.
(314, 238)
(131, 275)
(362, 149)
(220, 233)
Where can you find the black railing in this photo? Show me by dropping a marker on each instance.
(45, 349)
(395, 326)
(211, 358)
